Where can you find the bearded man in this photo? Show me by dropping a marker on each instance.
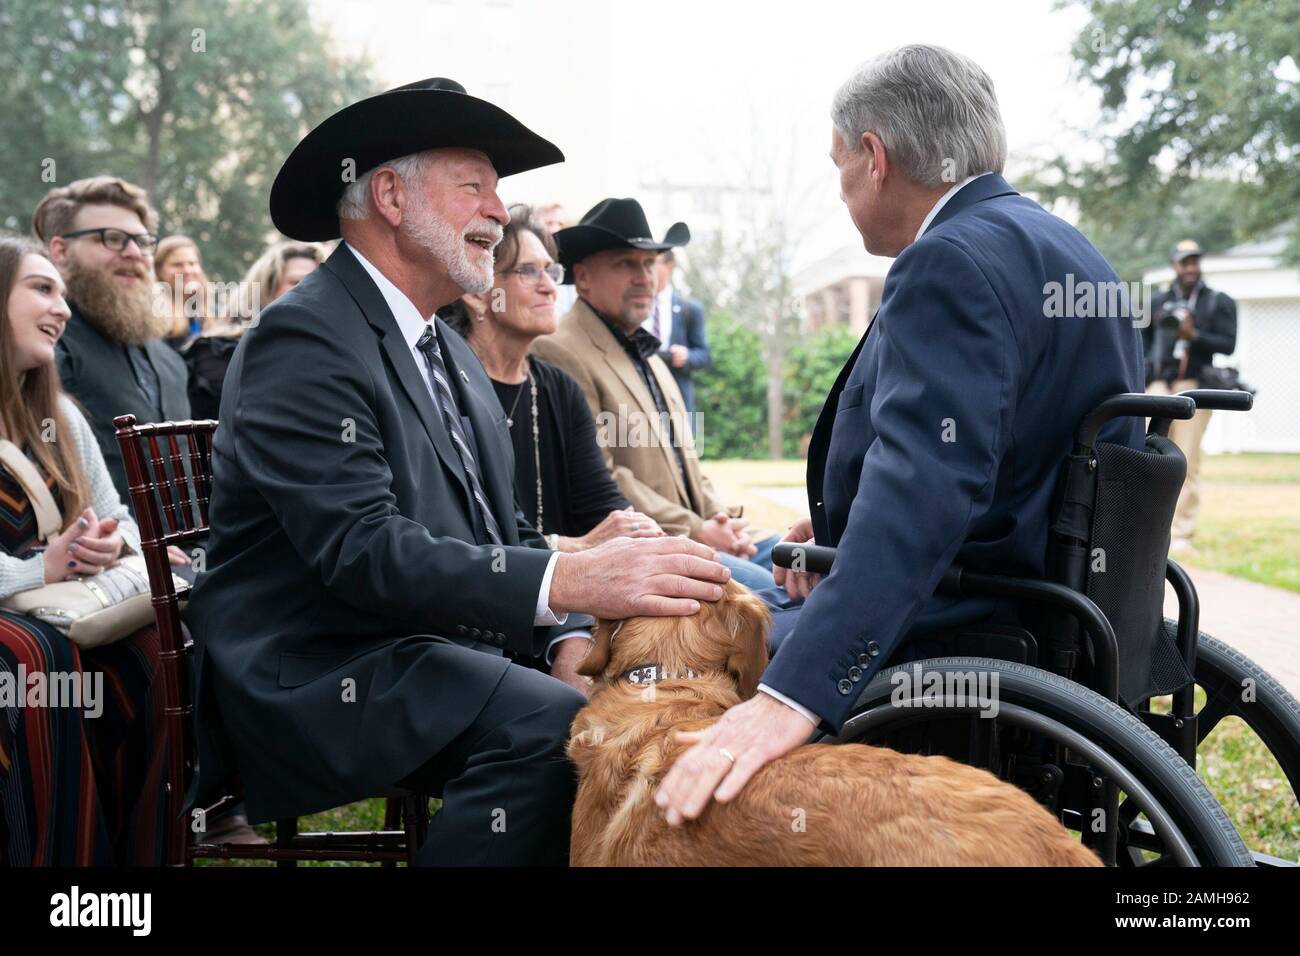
(111, 357)
(368, 567)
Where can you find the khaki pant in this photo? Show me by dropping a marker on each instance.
(1187, 436)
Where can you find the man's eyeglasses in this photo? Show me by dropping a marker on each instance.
(116, 239)
(532, 274)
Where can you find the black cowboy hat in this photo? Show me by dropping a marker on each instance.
(428, 114)
(613, 224)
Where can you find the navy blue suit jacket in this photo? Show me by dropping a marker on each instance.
(942, 438)
(688, 330)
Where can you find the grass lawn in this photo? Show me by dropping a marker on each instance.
(1249, 527)
(1249, 524)
(1248, 783)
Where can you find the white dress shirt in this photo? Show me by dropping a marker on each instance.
(412, 325)
(943, 201)
(663, 312)
(925, 224)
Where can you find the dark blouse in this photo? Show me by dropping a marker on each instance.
(207, 358)
(577, 489)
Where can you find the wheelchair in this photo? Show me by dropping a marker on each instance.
(1076, 673)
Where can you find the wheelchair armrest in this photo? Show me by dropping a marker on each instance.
(1221, 399)
(958, 582)
(961, 583)
(815, 558)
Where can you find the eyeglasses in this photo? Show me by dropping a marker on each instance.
(532, 274)
(116, 239)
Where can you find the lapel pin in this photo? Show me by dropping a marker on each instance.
(464, 376)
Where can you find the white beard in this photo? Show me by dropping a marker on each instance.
(437, 237)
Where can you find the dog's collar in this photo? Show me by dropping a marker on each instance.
(644, 674)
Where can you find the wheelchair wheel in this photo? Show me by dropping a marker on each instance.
(1273, 714)
(1223, 672)
(1068, 746)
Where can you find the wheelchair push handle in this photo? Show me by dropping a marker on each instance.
(1155, 407)
(1221, 399)
(814, 558)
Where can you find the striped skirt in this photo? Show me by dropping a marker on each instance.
(81, 771)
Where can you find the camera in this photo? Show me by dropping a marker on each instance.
(1173, 312)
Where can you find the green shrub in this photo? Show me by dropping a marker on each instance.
(731, 395)
(811, 367)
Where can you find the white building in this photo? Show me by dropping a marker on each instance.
(842, 288)
(1267, 293)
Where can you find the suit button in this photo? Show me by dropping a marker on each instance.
(855, 674)
(461, 629)
(864, 660)
(844, 686)
(501, 640)
(873, 649)
(475, 632)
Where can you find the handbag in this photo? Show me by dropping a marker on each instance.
(92, 610)
(1213, 376)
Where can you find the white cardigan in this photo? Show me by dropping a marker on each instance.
(22, 575)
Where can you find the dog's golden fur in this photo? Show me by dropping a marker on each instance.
(820, 805)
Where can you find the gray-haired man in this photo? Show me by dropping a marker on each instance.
(943, 434)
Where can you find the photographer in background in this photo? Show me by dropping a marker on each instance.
(1190, 323)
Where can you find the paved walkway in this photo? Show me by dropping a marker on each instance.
(1260, 621)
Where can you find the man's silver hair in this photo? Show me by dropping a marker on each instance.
(355, 202)
(935, 111)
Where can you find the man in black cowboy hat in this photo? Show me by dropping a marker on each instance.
(368, 568)
(642, 422)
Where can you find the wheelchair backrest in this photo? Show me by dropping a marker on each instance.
(1120, 501)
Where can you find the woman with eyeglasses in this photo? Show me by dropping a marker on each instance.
(561, 481)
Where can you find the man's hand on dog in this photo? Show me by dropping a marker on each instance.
(797, 584)
(632, 577)
(755, 733)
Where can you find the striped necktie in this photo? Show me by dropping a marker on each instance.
(657, 323)
(428, 344)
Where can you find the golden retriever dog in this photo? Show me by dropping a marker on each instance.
(819, 805)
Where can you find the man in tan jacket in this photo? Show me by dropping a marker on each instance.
(642, 423)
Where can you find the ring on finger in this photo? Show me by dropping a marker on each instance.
(731, 758)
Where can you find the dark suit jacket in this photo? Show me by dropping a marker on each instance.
(943, 436)
(688, 330)
(96, 372)
(350, 623)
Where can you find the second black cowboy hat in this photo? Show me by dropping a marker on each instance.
(613, 224)
(428, 114)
